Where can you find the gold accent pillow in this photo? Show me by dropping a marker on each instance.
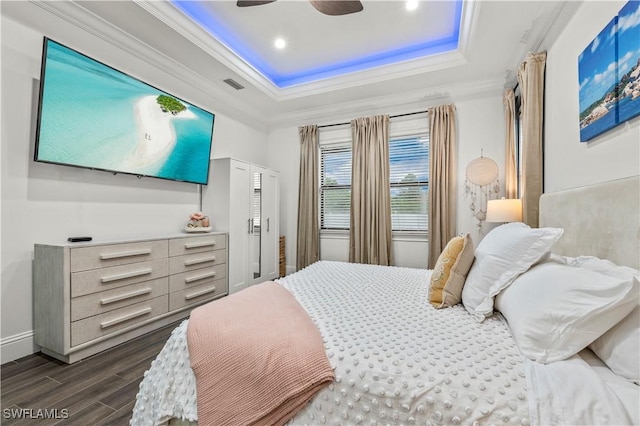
(450, 272)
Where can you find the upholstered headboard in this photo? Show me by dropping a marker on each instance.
(600, 220)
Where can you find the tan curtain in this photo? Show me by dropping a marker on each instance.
(442, 179)
(531, 81)
(370, 239)
(308, 227)
(510, 167)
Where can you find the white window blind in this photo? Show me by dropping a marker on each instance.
(335, 186)
(409, 179)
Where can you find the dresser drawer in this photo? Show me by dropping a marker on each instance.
(189, 262)
(99, 303)
(86, 258)
(98, 280)
(91, 328)
(197, 293)
(196, 277)
(189, 245)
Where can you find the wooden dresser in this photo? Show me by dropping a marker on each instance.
(89, 297)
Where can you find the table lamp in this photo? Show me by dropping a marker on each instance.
(504, 210)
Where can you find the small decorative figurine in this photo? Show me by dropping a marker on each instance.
(198, 222)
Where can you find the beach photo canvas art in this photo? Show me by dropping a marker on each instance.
(597, 75)
(92, 115)
(609, 71)
(628, 87)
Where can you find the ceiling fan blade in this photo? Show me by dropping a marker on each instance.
(337, 7)
(245, 3)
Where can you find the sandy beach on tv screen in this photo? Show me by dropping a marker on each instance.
(155, 134)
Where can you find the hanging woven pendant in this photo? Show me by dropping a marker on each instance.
(482, 185)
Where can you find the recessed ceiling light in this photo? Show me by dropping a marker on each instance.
(280, 43)
(412, 5)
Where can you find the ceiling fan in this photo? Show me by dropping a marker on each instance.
(328, 7)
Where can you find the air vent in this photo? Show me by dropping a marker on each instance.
(231, 82)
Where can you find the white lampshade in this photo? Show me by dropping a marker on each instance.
(504, 210)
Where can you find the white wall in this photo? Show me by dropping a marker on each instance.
(612, 155)
(480, 126)
(237, 140)
(48, 203)
(284, 156)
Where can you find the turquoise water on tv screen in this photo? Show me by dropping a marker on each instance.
(95, 116)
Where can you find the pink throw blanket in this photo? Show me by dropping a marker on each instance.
(257, 357)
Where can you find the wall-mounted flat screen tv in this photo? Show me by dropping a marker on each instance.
(94, 116)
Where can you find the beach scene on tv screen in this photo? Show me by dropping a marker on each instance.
(95, 116)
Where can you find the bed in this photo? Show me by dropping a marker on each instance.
(397, 360)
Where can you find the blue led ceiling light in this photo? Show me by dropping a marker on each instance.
(217, 28)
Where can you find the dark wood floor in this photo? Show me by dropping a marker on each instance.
(99, 390)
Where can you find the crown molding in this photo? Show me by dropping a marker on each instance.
(226, 104)
(468, 24)
(376, 75)
(415, 100)
(174, 18)
(540, 36)
(557, 24)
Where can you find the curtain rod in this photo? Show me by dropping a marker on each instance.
(391, 116)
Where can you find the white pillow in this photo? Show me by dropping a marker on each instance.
(596, 264)
(556, 310)
(506, 252)
(619, 347)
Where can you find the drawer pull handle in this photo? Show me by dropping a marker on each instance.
(200, 277)
(200, 244)
(125, 296)
(109, 256)
(124, 318)
(126, 275)
(199, 293)
(198, 261)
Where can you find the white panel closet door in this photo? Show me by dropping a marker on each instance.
(270, 236)
(239, 225)
(242, 199)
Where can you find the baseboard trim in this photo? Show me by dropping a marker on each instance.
(17, 346)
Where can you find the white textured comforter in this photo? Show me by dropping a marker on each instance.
(399, 361)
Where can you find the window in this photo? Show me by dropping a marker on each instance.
(335, 186)
(408, 176)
